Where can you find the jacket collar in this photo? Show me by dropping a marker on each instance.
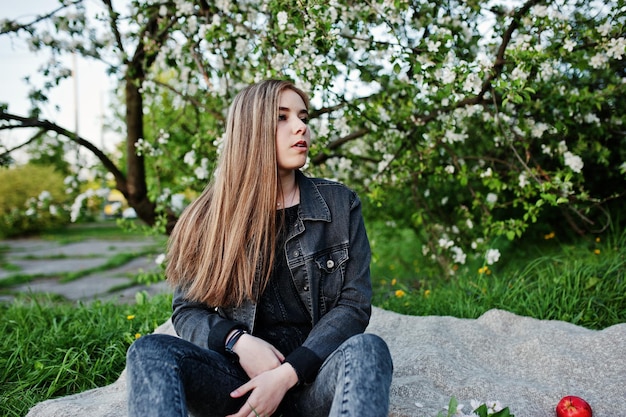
(312, 204)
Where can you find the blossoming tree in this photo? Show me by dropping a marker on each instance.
(465, 120)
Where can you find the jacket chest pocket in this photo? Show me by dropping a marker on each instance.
(330, 265)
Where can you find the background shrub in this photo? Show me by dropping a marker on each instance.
(32, 199)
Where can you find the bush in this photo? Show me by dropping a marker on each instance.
(32, 199)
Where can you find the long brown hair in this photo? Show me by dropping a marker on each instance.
(226, 238)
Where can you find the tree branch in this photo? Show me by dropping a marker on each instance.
(28, 142)
(497, 68)
(322, 157)
(46, 126)
(113, 15)
(16, 28)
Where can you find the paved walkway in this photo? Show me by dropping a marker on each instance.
(42, 260)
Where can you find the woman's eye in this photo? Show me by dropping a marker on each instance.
(305, 120)
(282, 117)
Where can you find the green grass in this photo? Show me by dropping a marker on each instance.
(50, 348)
(101, 230)
(582, 282)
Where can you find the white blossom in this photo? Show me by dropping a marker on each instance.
(160, 259)
(77, 205)
(384, 163)
(449, 169)
(591, 118)
(241, 46)
(604, 29)
(487, 173)
(519, 74)
(492, 256)
(616, 48)
(224, 5)
(202, 172)
(541, 10)
(433, 46)
(574, 162)
(453, 137)
(547, 70)
(459, 256)
(491, 198)
(598, 60)
(539, 129)
(473, 84)
(475, 404)
(445, 243)
(190, 158)
(282, 19)
(569, 45)
(184, 7)
(522, 180)
(163, 137)
(445, 75)
(493, 406)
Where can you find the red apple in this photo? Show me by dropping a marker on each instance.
(572, 406)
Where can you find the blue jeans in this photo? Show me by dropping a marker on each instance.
(168, 376)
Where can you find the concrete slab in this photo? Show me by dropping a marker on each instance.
(42, 257)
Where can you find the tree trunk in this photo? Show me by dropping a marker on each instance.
(135, 190)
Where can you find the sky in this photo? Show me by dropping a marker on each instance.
(82, 107)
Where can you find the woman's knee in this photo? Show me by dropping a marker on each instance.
(150, 347)
(370, 347)
(370, 342)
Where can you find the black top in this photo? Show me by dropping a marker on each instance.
(282, 319)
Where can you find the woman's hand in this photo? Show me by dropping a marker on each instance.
(267, 391)
(256, 355)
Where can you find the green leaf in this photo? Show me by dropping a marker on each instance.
(591, 282)
(503, 413)
(452, 405)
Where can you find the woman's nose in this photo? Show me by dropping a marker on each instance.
(300, 126)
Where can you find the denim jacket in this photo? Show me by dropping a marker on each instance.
(328, 254)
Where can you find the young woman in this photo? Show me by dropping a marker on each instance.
(272, 286)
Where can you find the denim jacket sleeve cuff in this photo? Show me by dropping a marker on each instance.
(218, 334)
(306, 364)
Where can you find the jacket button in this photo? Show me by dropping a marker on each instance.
(330, 263)
(306, 288)
(296, 253)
